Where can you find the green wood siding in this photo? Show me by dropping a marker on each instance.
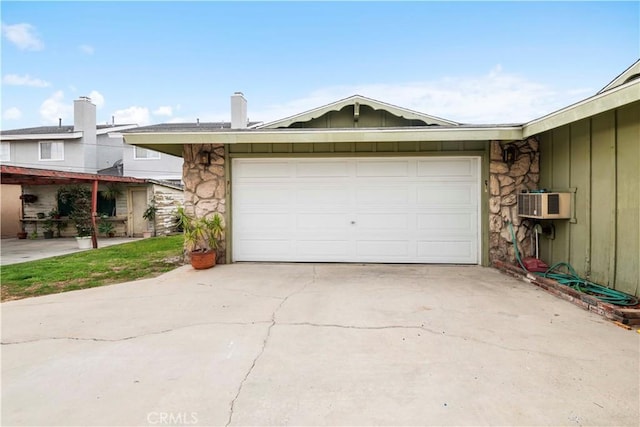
(627, 265)
(367, 118)
(599, 159)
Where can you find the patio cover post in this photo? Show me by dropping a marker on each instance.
(94, 213)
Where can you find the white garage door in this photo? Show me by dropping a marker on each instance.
(391, 210)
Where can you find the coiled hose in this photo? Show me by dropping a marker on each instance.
(571, 279)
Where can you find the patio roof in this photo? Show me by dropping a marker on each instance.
(33, 176)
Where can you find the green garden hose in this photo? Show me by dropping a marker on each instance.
(574, 281)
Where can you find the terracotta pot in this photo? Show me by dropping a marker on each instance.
(203, 260)
(22, 234)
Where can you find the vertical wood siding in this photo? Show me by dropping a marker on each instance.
(599, 159)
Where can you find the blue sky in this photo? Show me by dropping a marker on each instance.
(154, 62)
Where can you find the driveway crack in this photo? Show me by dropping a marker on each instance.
(164, 331)
(264, 343)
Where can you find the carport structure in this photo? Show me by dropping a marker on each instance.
(22, 176)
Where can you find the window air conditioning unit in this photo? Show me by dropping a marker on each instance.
(544, 205)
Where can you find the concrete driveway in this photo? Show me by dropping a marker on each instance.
(316, 344)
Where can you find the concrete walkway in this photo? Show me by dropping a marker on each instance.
(14, 251)
(323, 344)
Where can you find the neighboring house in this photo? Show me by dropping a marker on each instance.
(359, 180)
(84, 148)
(125, 211)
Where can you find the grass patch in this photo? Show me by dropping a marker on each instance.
(88, 269)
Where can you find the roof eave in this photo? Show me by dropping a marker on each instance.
(605, 101)
(42, 136)
(162, 141)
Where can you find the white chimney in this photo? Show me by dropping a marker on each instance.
(84, 115)
(238, 111)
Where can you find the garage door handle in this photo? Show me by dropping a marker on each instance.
(353, 222)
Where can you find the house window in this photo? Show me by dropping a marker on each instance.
(105, 206)
(5, 152)
(143, 153)
(51, 150)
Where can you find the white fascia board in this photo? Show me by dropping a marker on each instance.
(114, 129)
(614, 98)
(297, 136)
(42, 136)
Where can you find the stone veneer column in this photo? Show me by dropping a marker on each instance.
(205, 186)
(505, 182)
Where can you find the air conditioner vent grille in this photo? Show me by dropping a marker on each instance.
(544, 205)
(553, 204)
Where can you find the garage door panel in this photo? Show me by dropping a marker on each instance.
(446, 222)
(382, 168)
(333, 249)
(324, 169)
(262, 169)
(380, 222)
(268, 194)
(378, 194)
(357, 210)
(450, 168)
(322, 221)
(255, 221)
(457, 250)
(446, 195)
(328, 195)
(377, 249)
(262, 249)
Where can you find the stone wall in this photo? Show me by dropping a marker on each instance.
(506, 180)
(205, 189)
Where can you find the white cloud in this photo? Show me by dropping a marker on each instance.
(26, 80)
(497, 97)
(12, 113)
(132, 115)
(96, 98)
(23, 36)
(54, 108)
(163, 111)
(88, 49)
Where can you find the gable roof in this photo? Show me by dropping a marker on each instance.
(357, 100)
(633, 72)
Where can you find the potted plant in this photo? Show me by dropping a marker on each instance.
(202, 237)
(150, 215)
(80, 199)
(106, 227)
(48, 228)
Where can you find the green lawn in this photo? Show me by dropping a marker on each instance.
(88, 269)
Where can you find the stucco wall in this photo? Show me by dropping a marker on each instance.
(10, 203)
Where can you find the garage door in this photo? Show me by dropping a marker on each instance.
(389, 210)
